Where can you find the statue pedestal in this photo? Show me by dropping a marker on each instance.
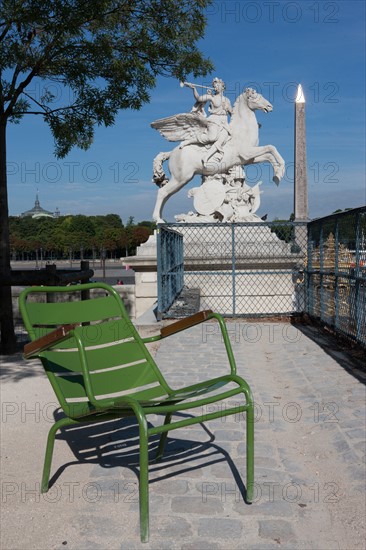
(242, 269)
(239, 270)
(144, 265)
(254, 243)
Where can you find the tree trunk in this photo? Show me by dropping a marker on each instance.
(8, 341)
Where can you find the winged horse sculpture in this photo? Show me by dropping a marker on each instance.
(241, 149)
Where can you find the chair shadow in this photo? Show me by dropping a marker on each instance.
(116, 443)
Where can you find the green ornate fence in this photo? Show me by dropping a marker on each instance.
(336, 272)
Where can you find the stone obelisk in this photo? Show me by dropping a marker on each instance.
(301, 182)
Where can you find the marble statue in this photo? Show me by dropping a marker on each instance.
(224, 198)
(211, 146)
(217, 130)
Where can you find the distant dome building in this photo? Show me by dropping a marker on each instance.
(38, 212)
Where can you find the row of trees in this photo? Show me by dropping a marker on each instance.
(76, 236)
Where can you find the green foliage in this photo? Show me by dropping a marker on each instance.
(81, 224)
(57, 236)
(283, 228)
(108, 53)
(104, 55)
(150, 225)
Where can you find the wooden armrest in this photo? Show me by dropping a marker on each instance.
(185, 323)
(57, 335)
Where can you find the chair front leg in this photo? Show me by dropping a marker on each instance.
(49, 450)
(250, 453)
(144, 479)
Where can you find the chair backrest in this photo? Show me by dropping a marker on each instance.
(118, 360)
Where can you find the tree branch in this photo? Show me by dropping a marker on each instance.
(5, 31)
(16, 73)
(31, 75)
(48, 111)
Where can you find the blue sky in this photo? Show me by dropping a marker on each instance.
(269, 45)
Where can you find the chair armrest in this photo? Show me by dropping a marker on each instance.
(50, 339)
(186, 323)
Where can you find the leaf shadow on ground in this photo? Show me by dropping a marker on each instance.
(14, 368)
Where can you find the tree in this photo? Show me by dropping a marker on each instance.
(107, 53)
(149, 224)
(140, 235)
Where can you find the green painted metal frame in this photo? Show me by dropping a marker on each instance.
(100, 410)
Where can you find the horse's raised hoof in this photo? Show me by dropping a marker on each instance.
(276, 179)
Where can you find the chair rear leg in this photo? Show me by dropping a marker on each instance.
(250, 453)
(163, 437)
(49, 450)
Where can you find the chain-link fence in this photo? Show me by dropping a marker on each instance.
(336, 272)
(241, 269)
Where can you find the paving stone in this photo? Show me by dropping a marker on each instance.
(349, 457)
(265, 462)
(196, 544)
(226, 435)
(172, 526)
(356, 434)
(170, 487)
(360, 446)
(290, 466)
(267, 475)
(263, 507)
(262, 449)
(197, 505)
(340, 443)
(195, 502)
(357, 473)
(220, 470)
(157, 503)
(220, 528)
(350, 424)
(277, 530)
(271, 546)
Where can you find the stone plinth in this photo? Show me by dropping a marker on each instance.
(256, 293)
(144, 265)
(263, 271)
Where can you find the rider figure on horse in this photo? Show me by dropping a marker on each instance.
(218, 131)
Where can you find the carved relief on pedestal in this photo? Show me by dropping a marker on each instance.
(224, 198)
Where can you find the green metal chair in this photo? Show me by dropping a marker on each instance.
(101, 369)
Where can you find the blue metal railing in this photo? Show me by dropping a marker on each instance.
(170, 266)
